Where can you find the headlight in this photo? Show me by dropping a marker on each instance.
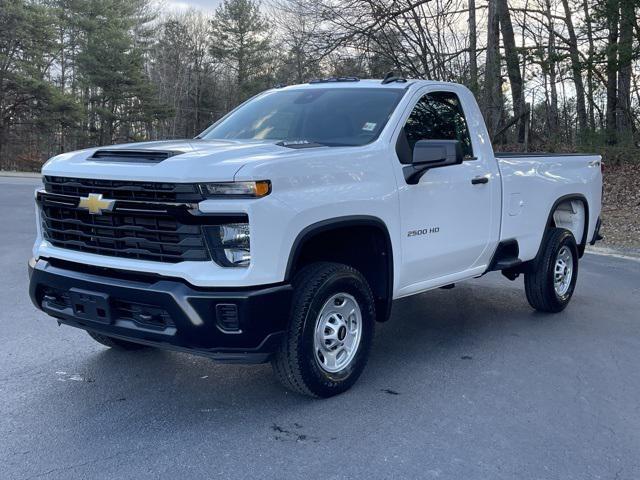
(229, 244)
(236, 189)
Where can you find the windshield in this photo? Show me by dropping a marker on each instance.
(330, 116)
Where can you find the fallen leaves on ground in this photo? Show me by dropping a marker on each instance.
(621, 206)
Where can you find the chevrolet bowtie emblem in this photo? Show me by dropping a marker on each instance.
(96, 204)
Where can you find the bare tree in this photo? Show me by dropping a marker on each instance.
(513, 66)
(576, 68)
(300, 36)
(590, 64)
(473, 48)
(492, 95)
(551, 65)
(613, 15)
(625, 56)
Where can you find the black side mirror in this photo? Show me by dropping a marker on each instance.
(429, 154)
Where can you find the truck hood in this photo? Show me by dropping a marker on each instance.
(190, 161)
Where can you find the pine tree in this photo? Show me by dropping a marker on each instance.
(239, 40)
(26, 40)
(119, 98)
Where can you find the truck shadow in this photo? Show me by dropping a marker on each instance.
(451, 318)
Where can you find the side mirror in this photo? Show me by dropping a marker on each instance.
(429, 154)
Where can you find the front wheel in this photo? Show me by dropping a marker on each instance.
(551, 282)
(330, 331)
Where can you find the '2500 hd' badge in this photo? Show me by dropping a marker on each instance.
(423, 231)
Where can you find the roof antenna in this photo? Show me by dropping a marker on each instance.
(391, 77)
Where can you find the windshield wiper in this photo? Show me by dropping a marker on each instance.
(301, 144)
(310, 144)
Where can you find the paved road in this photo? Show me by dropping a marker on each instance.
(466, 384)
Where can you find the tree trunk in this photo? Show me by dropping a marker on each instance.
(625, 56)
(2, 142)
(527, 125)
(576, 69)
(523, 66)
(513, 65)
(591, 102)
(612, 66)
(492, 98)
(473, 48)
(551, 62)
(299, 64)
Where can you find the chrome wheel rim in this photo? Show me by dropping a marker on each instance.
(338, 333)
(563, 271)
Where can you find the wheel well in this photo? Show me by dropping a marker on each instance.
(364, 245)
(571, 214)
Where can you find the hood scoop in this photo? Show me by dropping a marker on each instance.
(132, 155)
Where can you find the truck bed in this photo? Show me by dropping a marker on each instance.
(541, 154)
(532, 182)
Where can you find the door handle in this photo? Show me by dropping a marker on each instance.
(479, 180)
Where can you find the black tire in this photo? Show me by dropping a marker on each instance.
(539, 281)
(116, 343)
(294, 363)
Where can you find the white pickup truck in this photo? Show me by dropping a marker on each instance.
(285, 230)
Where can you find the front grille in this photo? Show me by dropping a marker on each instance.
(149, 221)
(156, 237)
(124, 190)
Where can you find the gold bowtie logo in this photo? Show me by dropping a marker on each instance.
(96, 204)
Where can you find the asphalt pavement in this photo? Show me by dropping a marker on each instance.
(468, 383)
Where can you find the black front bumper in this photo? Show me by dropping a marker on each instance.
(229, 325)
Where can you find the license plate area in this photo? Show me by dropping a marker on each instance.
(93, 306)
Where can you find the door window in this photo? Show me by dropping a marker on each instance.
(439, 116)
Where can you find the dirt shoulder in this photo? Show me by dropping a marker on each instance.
(621, 207)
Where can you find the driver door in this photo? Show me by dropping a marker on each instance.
(448, 219)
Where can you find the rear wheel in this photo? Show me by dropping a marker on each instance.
(330, 331)
(552, 280)
(116, 342)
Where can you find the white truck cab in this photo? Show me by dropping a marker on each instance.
(285, 230)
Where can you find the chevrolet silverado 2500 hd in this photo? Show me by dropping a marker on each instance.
(284, 231)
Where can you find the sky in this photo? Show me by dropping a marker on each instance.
(182, 5)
